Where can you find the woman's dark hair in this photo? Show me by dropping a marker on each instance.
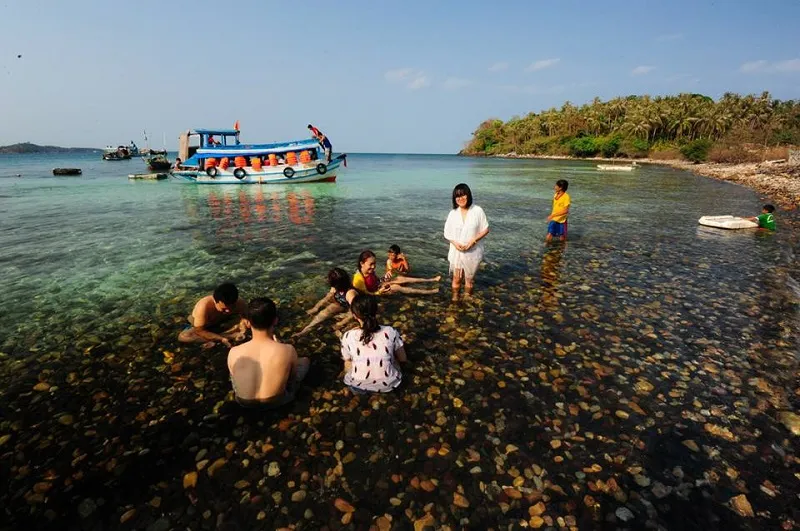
(458, 191)
(339, 280)
(261, 313)
(394, 249)
(363, 258)
(563, 184)
(365, 308)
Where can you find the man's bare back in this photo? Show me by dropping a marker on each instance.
(260, 369)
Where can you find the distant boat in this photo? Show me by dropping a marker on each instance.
(616, 167)
(67, 171)
(226, 161)
(147, 176)
(158, 163)
(120, 153)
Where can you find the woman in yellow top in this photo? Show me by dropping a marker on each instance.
(557, 228)
(366, 281)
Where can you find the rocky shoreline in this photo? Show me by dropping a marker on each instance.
(778, 179)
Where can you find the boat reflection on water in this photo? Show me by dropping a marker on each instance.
(251, 213)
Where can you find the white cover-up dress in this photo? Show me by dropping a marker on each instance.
(464, 231)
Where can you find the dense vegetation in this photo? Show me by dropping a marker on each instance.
(27, 147)
(692, 126)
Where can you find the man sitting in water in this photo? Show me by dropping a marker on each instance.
(210, 314)
(767, 219)
(265, 372)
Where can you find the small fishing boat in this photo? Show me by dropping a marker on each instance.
(148, 176)
(616, 167)
(727, 222)
(158, 163)
(216, 156)
(67, 171)
(119, 153)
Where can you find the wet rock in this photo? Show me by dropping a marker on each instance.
(298, 496)
(791, 421)
(741, 505)
(624, 514)
(274, 469)
(162, 524)
(86, 508)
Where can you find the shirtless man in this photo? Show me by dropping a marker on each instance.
(211, 312)
(264, 372)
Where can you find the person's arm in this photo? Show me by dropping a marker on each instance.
(562, 212)
(483, 224)
(388, 267)
(241, 309)
(199, 321)
(346, 356)
(404, 265)
(399, 348)
(324, 300)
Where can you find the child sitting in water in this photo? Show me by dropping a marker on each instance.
(766, 220)
(397, 269)
(372, 353)
(337, 300)
(366, 281)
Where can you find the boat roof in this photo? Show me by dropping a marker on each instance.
(226, 132)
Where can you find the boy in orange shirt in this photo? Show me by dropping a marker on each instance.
(557, 228)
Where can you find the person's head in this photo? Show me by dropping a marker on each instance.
(561, 185)
(339, 280)
(365, 310)
(769, 209)
(178, 160)
(366, 262)
(394, 251)
(262, 314)
(311, 127)
(225, 297)
(462, 196)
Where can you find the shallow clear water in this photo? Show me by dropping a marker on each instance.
(642, 332)
(78, 251)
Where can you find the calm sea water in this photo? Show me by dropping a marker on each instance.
(100, 253)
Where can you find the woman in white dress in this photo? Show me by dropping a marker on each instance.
(466, 226)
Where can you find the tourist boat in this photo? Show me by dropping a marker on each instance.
(217, 157)
(119, 153)
(616, 167)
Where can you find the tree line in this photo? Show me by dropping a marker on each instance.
(735, 127)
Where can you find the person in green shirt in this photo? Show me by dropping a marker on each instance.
(766, 220)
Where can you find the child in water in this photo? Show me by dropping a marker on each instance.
(336, 301)
(766, 220)
(397, 269)
(557, 226)
(372, 353)
(366, 281)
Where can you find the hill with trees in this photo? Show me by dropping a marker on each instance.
(27, 147)
(733, 129)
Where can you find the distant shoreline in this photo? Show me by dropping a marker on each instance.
(779, 179)
(25, 148)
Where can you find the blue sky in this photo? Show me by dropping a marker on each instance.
(408, 77)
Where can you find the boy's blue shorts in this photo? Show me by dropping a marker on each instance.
(556, 229)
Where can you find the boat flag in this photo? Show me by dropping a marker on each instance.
(236, 125)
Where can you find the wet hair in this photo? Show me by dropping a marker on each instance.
(769, 208)
(365, 308)
(563, 184)
(395, 249)
(363, 257)
(310, 126)
(227, 293)
(261, 313)
(458, 191)
(339, 280)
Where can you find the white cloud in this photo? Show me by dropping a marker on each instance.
(419, 81)
(542, 64)
(455, 83)
(499, 66)
(642, 70)
(411, 78)
(671, 37)
(766, 67)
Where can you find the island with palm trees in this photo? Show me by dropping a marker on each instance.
(749, 138)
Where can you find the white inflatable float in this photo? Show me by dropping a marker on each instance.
(727, 222)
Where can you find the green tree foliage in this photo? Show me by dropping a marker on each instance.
(629, 126)
(696, 150)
